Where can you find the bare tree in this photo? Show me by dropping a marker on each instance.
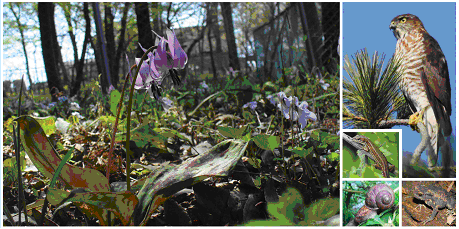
(76, 84)
(114, 53)
(105, 78)
(143, 24)
(23, 42)
(230, 39)
(49, 47)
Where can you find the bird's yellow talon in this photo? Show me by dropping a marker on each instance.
(416, 118)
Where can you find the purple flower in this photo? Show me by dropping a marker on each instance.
(323, 84)
(110, 89)
(305, 114)
(165, 59)
(252, 105)
(271, 99)
(178, 54)
(287, 105)
(166, 102)
(62, 98)
(204, 85)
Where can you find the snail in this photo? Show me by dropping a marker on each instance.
(379, 197)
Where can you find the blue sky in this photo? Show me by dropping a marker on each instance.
(366, 25)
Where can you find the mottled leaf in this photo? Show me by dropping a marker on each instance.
(169, 179)
(46, 159)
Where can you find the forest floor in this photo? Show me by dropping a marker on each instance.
(274, 154)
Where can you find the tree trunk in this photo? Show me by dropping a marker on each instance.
(209, 18)
(311, 28)
(46, 20)
(156, 15)
(110, 41)
(330, 25)
(143, 24)
(21, 32)
(120, 49)
(105, 78)
(66, 7)
(76, 85)
(230, 39)
(214, 26)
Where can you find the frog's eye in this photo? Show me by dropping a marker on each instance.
(403, 20)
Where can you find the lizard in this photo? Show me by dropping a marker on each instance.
(373, 152)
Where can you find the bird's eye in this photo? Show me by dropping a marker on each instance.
(403, 20)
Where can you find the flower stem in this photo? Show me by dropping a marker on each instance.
(128, 110)
(115, 128)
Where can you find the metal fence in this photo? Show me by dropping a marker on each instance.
(305, 34)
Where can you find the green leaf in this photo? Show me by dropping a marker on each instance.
(302, 152)
(115, 97)
(333, 156)
(267, 142)
(61, 165)
(168, 179)
(321, 210)
(231, 132)
(48, 124)
(121, 203)
(43, 155)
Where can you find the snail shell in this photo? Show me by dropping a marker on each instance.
(380, 196)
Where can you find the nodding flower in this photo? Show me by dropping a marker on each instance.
(161, 62)
(292, 109)
(252, 105)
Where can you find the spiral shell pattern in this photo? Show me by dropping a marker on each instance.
(380, 196)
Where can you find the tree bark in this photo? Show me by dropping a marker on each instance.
(121, 43)
(311, 28)
(146, 38)
(110, 41)
(21, 32)
(230, 38)
(46, 20)
(105, 78)
(66, 7)
(76, 85)
(330, 25)
(213, 15)
(209, 37)
(156, 15)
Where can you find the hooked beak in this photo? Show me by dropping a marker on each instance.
(393, 27)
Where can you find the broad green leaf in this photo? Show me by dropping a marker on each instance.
(231, 132)
(45, 158)
(321, 210)
(267, 142)
(8, 124)
(107, 120)
(288, 208)
(169, 179)
(333, 156)
(302, 152)
(115, 97)
(121, 203)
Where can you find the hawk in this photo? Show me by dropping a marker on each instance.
(424, 83)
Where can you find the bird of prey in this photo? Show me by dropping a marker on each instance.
(424, 83)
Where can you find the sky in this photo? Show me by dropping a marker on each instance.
(366, 25)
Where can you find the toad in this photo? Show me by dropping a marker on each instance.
(436, 197)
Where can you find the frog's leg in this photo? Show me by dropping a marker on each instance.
(434, 213)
